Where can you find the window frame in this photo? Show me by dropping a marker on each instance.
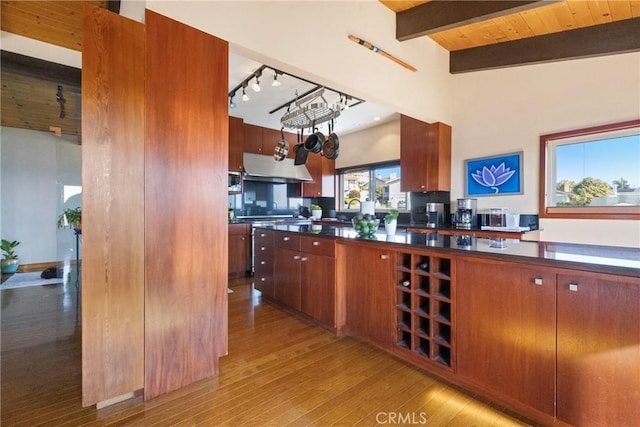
(585, 212)
(370, 168)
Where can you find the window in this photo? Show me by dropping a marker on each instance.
(591, 173)
(379, 183)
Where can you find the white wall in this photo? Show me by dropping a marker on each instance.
(506, 110)
(34, 166)
(372, 145)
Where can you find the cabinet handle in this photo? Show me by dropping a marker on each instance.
(262, 279)
(384, 256)
(263, 248)
(296, 257)
(422, 186)
(242, 238)
(538, 281)
(315, 243)
(263, 262)
(263, 235)
(304, 258)
(286, 238)
(573, 287)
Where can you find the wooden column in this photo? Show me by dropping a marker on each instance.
(113, 206)
(186, 152)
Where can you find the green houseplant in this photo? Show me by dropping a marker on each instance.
(10, 261)
(73, 218)
(316, 211)
(391, 221)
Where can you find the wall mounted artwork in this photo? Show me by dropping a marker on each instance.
(494, 175)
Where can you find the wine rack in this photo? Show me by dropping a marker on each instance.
(424, 306)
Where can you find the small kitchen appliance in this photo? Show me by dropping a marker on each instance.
(466, 216)
(435, 215)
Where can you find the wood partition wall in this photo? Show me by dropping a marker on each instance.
(186, 152)
(112, 206)
(155, 161)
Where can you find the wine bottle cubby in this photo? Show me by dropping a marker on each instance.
(424, 306)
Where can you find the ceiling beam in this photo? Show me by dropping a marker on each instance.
(598, 40)
(440, 15)
(40, 69)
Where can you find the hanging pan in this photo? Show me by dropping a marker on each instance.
(282, 148)
(331, 147)
(314, 141)
(300, 152)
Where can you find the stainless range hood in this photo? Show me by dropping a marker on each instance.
(265, 168)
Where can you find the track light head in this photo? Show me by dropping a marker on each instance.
(256, 86)
(275, 83)
(245, 97)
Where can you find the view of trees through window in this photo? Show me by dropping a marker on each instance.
(380, 184)
(600, 172)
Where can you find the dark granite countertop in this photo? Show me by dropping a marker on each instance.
(603, 259)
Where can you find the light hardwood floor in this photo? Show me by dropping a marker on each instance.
(280, 371)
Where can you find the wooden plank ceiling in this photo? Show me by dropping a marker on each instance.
(30, 98)
(530, 32)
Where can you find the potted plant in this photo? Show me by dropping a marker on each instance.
(316, 211)
(73, 218)
(10, 262)
(391, 221)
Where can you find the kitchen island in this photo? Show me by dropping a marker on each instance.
(550, 330)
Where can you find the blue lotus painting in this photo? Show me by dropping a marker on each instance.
(494, 176)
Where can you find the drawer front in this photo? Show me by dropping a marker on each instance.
(263, 237)
(288, 240)
(318, 246)
(263, 261)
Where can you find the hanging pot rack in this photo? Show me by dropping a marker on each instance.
(310, 111)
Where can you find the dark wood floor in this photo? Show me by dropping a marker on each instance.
(280, 371)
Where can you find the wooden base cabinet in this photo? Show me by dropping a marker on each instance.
(239, 249)
(369, 293)
(304, 277)
(598, 350)
(506, 330)
(263, 260)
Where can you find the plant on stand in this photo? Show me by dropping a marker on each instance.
(391, 221)
(10, 261)
(71, 217)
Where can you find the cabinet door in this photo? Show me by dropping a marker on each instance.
(598, 350)
(236, 143)
(370, 291)
(314, 166)
(239, 249)
(506, 330)
(286, 277)
(252, 139)
(318, 288)
(425, 155)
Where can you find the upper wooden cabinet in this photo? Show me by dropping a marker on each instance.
(252, 139)
(323, 172)
(236, 144)
(425, 155)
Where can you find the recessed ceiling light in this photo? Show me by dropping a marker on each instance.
(376, 118)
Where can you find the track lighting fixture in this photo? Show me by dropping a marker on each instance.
(275, 83)
(231, 103)
(245, 97)
(256, 86)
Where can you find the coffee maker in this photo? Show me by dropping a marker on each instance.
(466, 216)
(435, 214)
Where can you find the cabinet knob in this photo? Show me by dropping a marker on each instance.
(384, 256)
(304, 258)
(263, 248)
(242, 238)
(573, 287)
(262, 279)
(263, 235)
(315, 243)
(538, 281)
(422, 186)
(263, 262)
(286, 238)
(296, 257)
